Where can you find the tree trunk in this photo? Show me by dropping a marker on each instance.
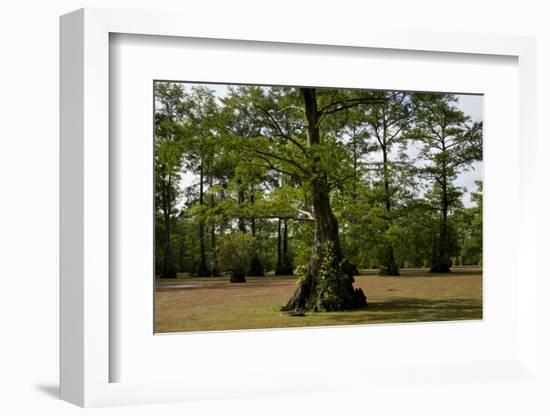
(252, 220)
(279, 267)
(441, 261)
(214, 269)
(353, 219)
(169, 265)
(256, 267)
(328, 282)
(203, 268)
(242, 226)
(181, 255)
(389, 266)
(237, 277)
(286, 263)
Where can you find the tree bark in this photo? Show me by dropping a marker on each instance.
(203, 268)
(181, 255)
(237, 277)
(389, 266)
(169, 266)
(284, 262)
(241, 225)
(214, 269)
(279, 267)
(253, 219)
(328, 282)
(441, 261)
(353, 219)
(256, 267)
(287, 262)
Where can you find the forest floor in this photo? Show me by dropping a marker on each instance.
(206, 304)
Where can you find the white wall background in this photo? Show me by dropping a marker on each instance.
(29, 187)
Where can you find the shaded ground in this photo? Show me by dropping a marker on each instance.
(204, 304)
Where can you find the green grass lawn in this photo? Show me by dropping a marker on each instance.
(206, 304)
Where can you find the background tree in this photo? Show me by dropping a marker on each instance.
(168, 163)
(285, 203)
(450, 142)
(471, 229)
(202, 124)
(388, 123)
(350, 128)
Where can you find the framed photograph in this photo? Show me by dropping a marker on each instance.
(383, 195)
(269, 213)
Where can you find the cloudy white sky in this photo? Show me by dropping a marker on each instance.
(471, 105)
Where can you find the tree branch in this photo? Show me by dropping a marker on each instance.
(270, 165)
(280, 158)
(348, 103)
(279, 129)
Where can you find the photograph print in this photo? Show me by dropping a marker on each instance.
(292, 206)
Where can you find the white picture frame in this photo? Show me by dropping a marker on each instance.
(86, 355)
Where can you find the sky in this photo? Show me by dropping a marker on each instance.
(471, 105)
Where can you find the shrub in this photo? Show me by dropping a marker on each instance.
(235, 253)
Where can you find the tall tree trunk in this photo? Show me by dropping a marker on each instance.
(256, 267)
(203, 268)
(328, 283)
(169, 265)
(241, 225)
(355, 168)
(253, 219)
(279, 268)
(389, 266)
(353, 219)
(286, 261)
(181, 255)
(441, 262)
(214, 269)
